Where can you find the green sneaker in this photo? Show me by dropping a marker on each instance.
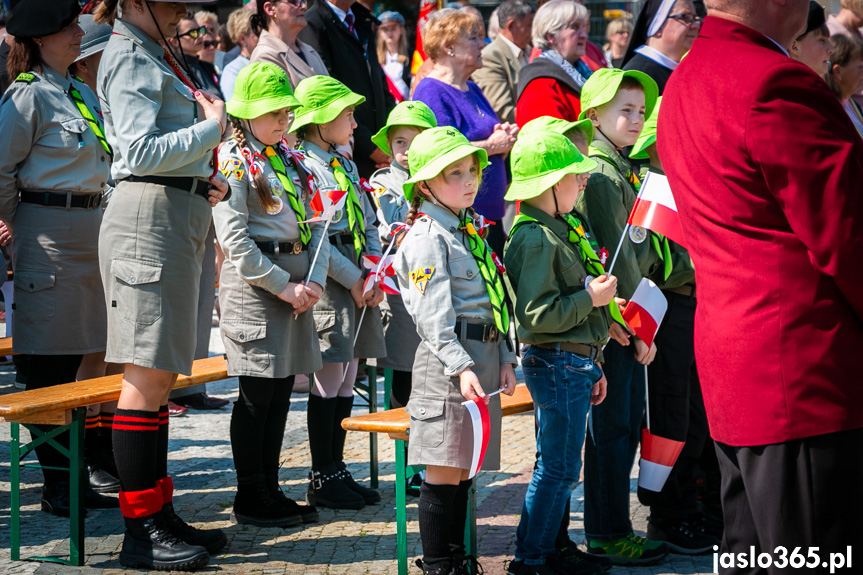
(630, 550)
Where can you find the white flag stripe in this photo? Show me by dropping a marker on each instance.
(476, 419)
(651, 300)
(652, 476)
(655, 188)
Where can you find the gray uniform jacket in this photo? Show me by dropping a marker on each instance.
(40, 126)
(148, 120)
(448, 286)
(341, 269)
(241, 221)
(392, 205)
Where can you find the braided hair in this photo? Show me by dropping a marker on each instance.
(260, 183)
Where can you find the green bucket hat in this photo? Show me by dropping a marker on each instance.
(602, 86)
(539, 160)
(322, 99)
(435, 149)
(259, 89)
(405, 114)
(550, 123)
(648, 134)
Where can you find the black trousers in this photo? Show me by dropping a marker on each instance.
(677, 410)
(802, 493)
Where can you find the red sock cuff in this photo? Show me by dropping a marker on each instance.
(136, 504)
(166, 484)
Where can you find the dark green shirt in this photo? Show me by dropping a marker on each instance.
(545, 277)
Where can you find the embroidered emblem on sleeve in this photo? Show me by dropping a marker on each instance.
(421, 277)
(228, 167)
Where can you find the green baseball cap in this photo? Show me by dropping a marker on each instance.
(550, 123)
(648, 134)
(602, 86)
(405, 114)
(259, 89)
(539, 160)
(435, 149)
(322, 99)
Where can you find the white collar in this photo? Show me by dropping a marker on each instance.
(341, 14)
(657, 56)
(781, 47)
(516, 51)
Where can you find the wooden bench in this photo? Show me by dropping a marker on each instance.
(396, 424)
(5, 346)
(66, 407)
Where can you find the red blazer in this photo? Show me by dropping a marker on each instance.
(547, 97)
(767, 172)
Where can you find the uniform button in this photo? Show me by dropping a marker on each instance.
(451, 230)
(132, 279)
(102, 184)
(470, 274)
(32, 286)
(422, 411)
(242, 336)
(102, 158)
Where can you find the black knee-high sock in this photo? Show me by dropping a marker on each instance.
(343, 410)
(162, 448)
(459, 519)
(400, 392)
(46, 371)
(105, 433)
(320, 414)
(435, 519)
(136, 445)
(248, 421)
(274, 429)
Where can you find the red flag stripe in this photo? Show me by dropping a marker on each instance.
(641, 321)
(658, 449)
(657, 217)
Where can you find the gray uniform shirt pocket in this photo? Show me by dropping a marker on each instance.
(428, 421)
(251, 338)
(73, 131)
(34, 292)
(137, 290)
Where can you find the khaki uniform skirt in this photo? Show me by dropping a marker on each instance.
(400, 334)
(261, 336)
(440, 427)
(150, 251)
(336, 317)
(59, 301)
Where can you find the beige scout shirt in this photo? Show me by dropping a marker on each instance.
(45, 143)
(241, 221)
(150, 115)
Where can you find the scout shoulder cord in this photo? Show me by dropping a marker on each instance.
(356, 220)
(95, 124)
(491, 270)
(586, 250)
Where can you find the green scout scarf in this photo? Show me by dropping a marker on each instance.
(490, 269)
(586, 249)
(356, 221)
(292, 193)
(88, 115)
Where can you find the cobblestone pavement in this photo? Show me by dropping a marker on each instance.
(343, 542)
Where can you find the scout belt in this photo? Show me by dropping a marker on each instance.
(587, 351)
(274, 247)
(342, 239)
(478, 331)
(62, 199)
(191, 185)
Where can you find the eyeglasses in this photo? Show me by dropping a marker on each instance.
(209, 43)
(295, 3)
(622, 32)
(688, 19)
(194, 33)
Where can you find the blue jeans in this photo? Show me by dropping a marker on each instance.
(614, 430)
(560, 384)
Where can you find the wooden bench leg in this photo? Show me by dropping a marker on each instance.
(75, 454)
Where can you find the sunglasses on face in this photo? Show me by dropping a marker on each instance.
(194, 33)
(209, 44)
(295, 3)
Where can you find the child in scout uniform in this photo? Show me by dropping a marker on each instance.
(323, 121)
(269, 337)
(676, 406)
(617, 102)
(580, 133)
(404, 123)
(451, 285)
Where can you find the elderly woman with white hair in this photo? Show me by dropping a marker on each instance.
(551, 84)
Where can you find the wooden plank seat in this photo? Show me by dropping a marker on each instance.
(396, 424)
(5, 346)
(66, 406)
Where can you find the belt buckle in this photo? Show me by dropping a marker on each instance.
(68, 200)
(490, 333)
(298, 248)
(276, 248)
(94, 201)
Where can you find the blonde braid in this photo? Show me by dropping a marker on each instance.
(262, 186)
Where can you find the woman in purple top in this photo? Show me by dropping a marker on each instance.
(454, 44)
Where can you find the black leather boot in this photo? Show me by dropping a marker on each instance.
(93, 500)
(150, 544)
(55, 499)
(440, 568)
(254, 506)
(327, 489)
(213, 540)
(99, 478)
(370, 496)
(309, 513)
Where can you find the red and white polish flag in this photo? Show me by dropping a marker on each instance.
(481, 431)
(326, 204)
(655, 208)
(644, 312)
(658, 455)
